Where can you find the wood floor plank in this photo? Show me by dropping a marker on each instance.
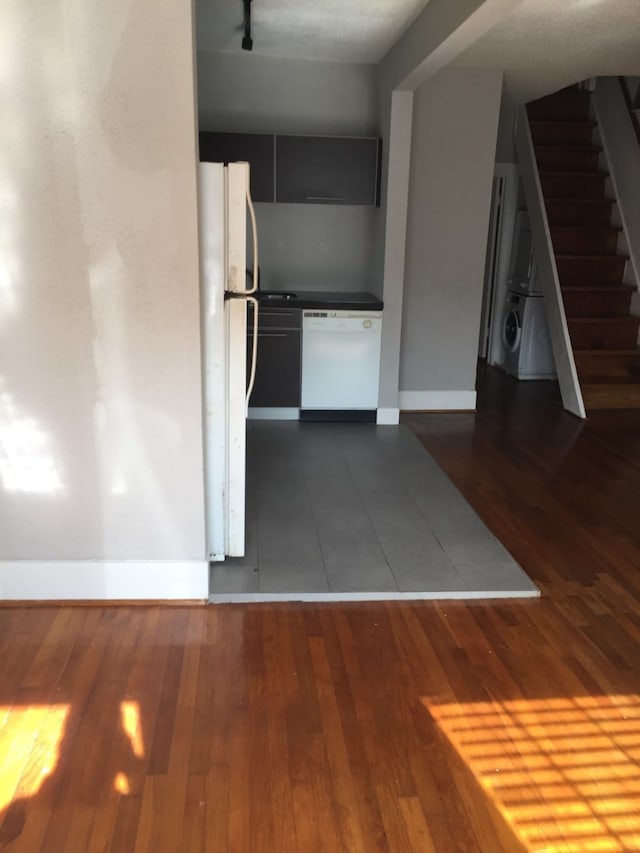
(345, 790)
(494, 727)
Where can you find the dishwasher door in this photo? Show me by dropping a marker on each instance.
(340, 359)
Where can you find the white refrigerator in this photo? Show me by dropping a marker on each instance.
(224, 201)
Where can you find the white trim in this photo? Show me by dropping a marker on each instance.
(103, 580)
(274, 413)
(433, 595)
(388, 417)
(437, 401)
(547, 271)
(621, 151)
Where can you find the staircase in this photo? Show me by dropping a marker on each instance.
(597, 302)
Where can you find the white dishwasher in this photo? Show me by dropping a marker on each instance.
(340, 364)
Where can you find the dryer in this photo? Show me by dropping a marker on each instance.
(525, 337)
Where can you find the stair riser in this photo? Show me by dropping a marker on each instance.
(615, 366)
(570, 160)
(572, 186)
(566, 105)
(580, 271)
(603, 335)
(598, 320)
(574, 213)
(614, 304)
(561, 134)
(611, 397)
(577, 241)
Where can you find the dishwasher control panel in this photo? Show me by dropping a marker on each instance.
(345, 321)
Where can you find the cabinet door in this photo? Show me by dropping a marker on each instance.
(327, 170)
(278, 318)
(278, 367)
(255, 148)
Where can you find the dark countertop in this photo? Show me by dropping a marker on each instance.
(330, 300)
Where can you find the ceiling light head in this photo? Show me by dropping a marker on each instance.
(247, 41)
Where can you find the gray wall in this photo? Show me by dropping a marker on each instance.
(505, 146)
(253, 93)
(307, 247)
(391, 237)
(441, 32)
(455, 121)
(100, 408)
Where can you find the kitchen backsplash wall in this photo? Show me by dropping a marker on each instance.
(315, 246)
(306, 246)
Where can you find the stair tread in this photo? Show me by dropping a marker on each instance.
(608, 395)
(606, 287)
(598, 288)
(595, 173)
(607, 352)
(560, 171)
(584, 122)
(596, 381)
(571, 173)
(588, 227)
(581, 149)
(630, 319)
(592, 256)
(568, 200)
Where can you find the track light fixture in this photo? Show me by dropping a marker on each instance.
(247, 41)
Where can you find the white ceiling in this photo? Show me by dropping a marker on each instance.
(338, 30)
(547, 44)
(542, 46)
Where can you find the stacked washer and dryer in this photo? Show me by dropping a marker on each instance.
(525, 334)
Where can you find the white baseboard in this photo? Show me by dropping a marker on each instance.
(437, 401)
(103, 580)
(273, 413)
(388, 417)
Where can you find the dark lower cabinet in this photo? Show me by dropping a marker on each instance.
(278, 370)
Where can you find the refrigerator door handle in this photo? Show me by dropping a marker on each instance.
(254, 349)
(231, 289)
(253, 289)
(254, 236)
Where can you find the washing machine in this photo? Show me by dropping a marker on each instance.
(525, 337)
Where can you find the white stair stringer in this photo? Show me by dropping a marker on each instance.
(547, 270)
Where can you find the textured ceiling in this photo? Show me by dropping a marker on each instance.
(547, 44)
(338, 30)
(542, 46)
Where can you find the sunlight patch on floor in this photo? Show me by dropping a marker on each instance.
(131, 726)
(30, 739)
(564, 773)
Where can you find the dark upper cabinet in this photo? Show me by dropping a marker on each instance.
(302, 169)
(256, 148)
(328, 170)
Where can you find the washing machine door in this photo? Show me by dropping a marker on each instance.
(512, 330)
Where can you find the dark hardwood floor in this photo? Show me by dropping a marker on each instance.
(393, 727)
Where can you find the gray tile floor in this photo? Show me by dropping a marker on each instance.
(356, 511)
